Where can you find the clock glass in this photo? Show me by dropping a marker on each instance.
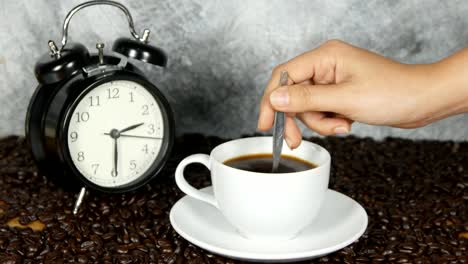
(115, 133)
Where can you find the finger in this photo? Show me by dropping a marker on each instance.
(305, 98)
(335, 115)
(300, 69)
(306, 66)
(325, 125)
(266, 114)
(292, 133)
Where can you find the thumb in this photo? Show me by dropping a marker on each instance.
(305, 98)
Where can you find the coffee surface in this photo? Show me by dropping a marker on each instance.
(263, 163)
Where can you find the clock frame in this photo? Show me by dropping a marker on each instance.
(48, 120)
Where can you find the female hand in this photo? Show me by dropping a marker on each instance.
(336, 84)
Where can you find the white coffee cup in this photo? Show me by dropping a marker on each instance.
(262, 206)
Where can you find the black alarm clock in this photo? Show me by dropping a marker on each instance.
(95, 120)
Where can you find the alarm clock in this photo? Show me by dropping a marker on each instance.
(95, 120)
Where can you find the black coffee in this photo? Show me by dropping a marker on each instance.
(264, 162)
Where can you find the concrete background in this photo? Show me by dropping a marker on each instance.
(221, 52)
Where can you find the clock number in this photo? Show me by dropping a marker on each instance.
(112, 93)
(94, 101)
(131, 97)
(151, 129)
(74, 136)
(133, 164)
(145, 110)
(95, 167)
(145, 149)
(82, 117)
(80, 156)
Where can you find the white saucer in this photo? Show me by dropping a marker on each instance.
(340, 222)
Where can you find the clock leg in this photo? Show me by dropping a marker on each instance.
(79, 200)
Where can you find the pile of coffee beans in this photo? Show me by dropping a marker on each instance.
(416, 195)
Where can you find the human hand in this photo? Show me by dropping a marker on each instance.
(336, 84)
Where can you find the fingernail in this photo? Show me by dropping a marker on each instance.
(288, 142)
(280, 97)
(341, 130)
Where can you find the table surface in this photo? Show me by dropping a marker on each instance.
(415, 193)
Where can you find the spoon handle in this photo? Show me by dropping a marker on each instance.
(278, 128)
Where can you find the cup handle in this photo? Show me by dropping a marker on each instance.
(186, 187)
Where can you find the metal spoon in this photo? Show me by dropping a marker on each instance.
(278, 128)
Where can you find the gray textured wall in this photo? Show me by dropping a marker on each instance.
(222, 51)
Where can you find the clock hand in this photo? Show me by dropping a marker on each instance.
(130, 128)
(115, 134)
(134, 136)
(116, 157)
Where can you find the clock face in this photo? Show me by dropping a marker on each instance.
(115, 133)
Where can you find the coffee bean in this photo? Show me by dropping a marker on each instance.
(362, 259)
(122, 249)
(409, 246)
(24, 220)
(124, 259)
(124, 238)
(59, 235)
(87, 245)
(445, 250)
(157, 211)
(378, 259)
(402, 250)
(67, 227)
(31, 250)
(125, 213)
(81, 259)
(387, 252)
(134, 238)
(413, 191)
(60, 216)
(10, 260)
(348, 260)
(402, 260)
(108, 236)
